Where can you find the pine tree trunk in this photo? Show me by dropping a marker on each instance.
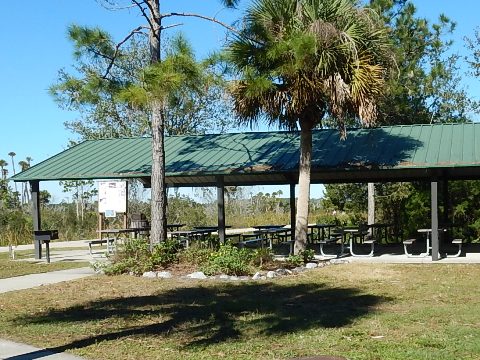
(159, 208)
(158, 231)
(301, 223)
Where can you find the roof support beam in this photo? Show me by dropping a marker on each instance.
(434, 215)
(37, 221)
(292, 211)
(221, 208)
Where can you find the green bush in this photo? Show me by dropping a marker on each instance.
(164, 254)
(262, 257)
(229, 260)
(301, 258)
(294, 261)
(196, 255)
(307, 255)
(135, 257)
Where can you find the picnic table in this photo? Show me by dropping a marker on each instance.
(174, 227)
(358, 235)
(190, 235)
(113, 235)
(380, 230)
(321, 231)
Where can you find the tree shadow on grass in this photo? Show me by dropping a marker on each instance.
(206, 315)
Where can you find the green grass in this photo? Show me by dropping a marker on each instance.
(360, 311)
(9, 268)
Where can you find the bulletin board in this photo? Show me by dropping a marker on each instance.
(112, 197)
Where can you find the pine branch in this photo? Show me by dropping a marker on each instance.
(212, 19)
(170, 26)
(119, 45)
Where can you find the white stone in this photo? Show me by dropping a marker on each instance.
(339, 261)
(234, 278)
(283, 271)
(271, 274)
(244, 278)
(198, 275)
(164, 274)
(298, 269)
(257, 276)
(224, 277)
(311, 265)
(150, 274)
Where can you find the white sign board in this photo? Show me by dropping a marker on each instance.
(112, 196)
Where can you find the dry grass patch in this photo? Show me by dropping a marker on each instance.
(360, 311)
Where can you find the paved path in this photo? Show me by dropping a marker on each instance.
(53, 245)
(35, 280)
(15, 351)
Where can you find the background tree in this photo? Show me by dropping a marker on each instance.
(3, 164)
(12, 156)
(298, 61)
(427, 85)
(25, 195)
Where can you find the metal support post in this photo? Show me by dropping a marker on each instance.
(221, 208)
(434, 206)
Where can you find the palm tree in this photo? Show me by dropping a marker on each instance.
(3, 164)
(24, 166)
(12, 155)
(302, 61)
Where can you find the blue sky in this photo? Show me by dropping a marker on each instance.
(35, 47)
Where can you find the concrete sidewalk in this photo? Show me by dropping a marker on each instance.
(16, 351)
(53, 245)
(35, 280)
(10, 350)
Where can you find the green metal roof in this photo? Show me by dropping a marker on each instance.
(377, 154)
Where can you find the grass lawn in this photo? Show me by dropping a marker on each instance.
(10, 268)
(360, 311)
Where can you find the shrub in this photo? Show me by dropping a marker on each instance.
(135, 257)
(164, 254)
(301, 258)
(229, 260)
(294, 261)
(196, 255)
(307, 255)
(262, 257)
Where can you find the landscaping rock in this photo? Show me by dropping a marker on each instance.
(257, 276)
(283, 272)
(339, 261)
(244, 278)
(234, 278)
(298, 269)
(150, 274)
(223, 277)
(164, 274)
(271, 275)
(198, 275)
(311, 265)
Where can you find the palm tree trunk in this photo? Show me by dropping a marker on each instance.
(301, 223)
